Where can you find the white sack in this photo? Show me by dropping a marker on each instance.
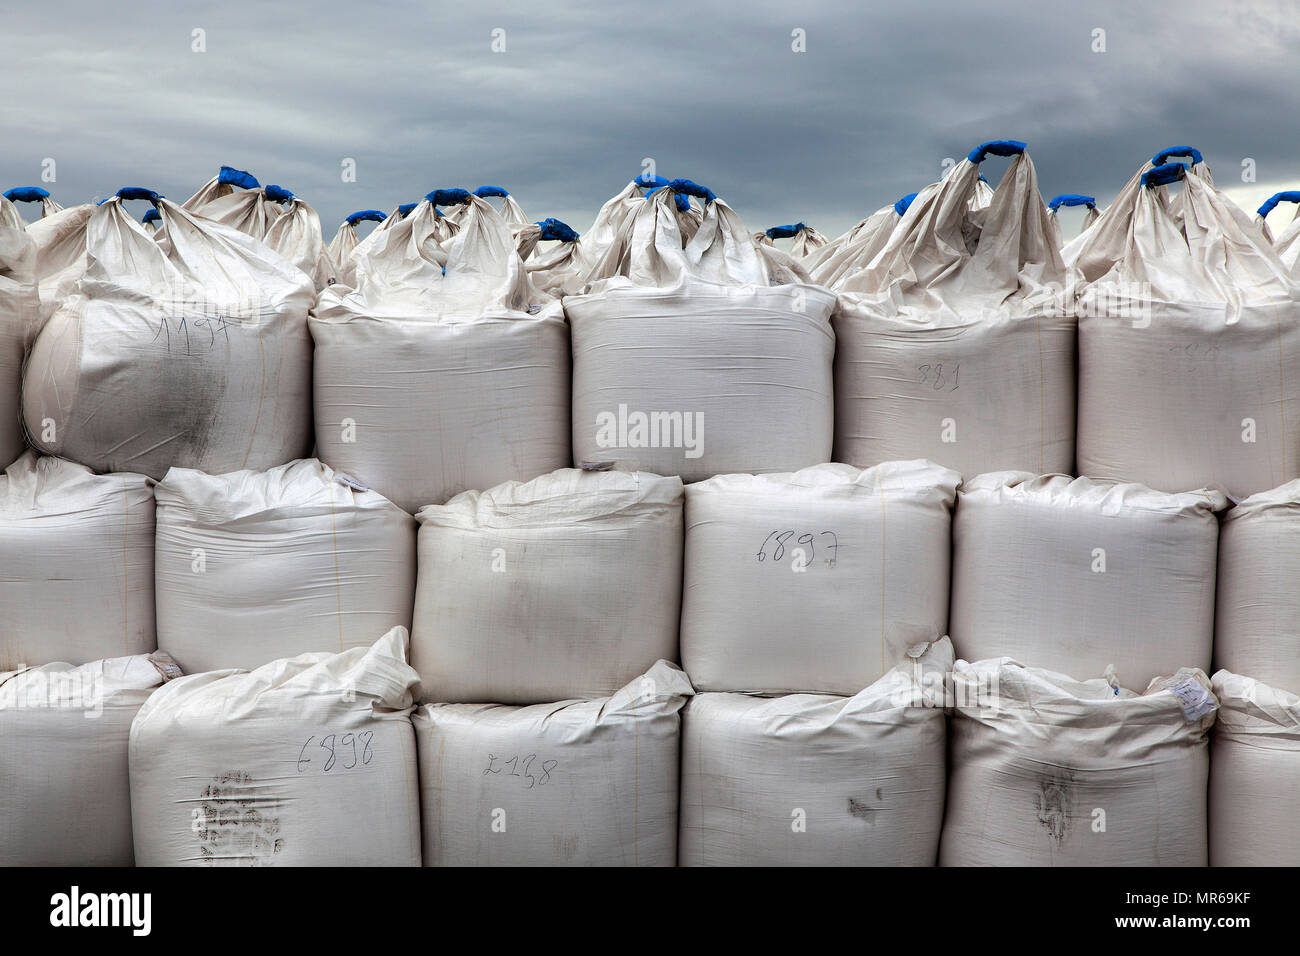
(565, 586)
(1075, 575)
(345, 242)
(190, 350)
(255, 566)
(1049, 771)
(76, 564)
(66, 799)
(686, 361)
(60, 240)
(1188, 321)
(273, 215)
(817, 581)
(812, 780)
(444, 370)
(953, 341)
(303, 762)
(1257, 614)
(1254, 774)
(577, 783)
(18, 308)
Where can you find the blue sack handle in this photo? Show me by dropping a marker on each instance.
(448, 197)
(557, 230)
(904, 204)
(483, 192)
(230, 176)
(365, 215)
(1072, 199)
(683, 204)
(1289, 195)
(26, 194)
(277, 193)
(652, 182)
(996, 147)
(785, 232)
(405, 208)
(1162, 158)
(136, 192)
(153, 215)
(687, 187)
(1164, 174)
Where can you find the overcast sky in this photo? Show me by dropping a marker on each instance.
(584, 91)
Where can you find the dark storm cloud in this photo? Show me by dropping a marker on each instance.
(585, 91)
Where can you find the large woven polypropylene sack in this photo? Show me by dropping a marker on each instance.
(60, 240)
(1187, 314)
(18, 307)
(345, 242)
(271, 214)
(76, 564)
(1257, 613)
(188, 350)
(568, 585)
(954, 342)
(804, 239)
(1287, 243)
(31, 194)
(817, 581)
(1076, 575)
(308, 761)
(848, 253)
(444, 370)
(254, 566)
(66, 799)
(810, 780)
(1254, 773)
(1070, 200)
(558, 270)
(1046, 770)
(687, 361)
(574, 783)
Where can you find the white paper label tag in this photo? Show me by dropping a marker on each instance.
(1196, 700)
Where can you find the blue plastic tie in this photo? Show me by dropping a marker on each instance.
(366, 215)
(1072, 199)
(230, 176)
(557, 230)
(996, 147)
(26, 194)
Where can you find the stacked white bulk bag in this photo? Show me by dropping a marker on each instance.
(254, 566)
(76, 564)
(687, 361)
(345, 242)
(1254, 774)
(809, 780)
(1046, 770)
(1187, 318)
(817, 581)
(1070, 200)
(18, 307)
(559, 270)
(1079, 574)
(308, 761)
(568, 585)
(510, 210)
(269, 213)
(1287, 244)
(444, 369)
(188, 350)
(954, 343)
(66, 799)
(1257, 613)
(848, 253)
(60, 240)
(574, 783)
(33, 194)
(805, 239)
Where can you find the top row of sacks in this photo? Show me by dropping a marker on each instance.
(946, 331)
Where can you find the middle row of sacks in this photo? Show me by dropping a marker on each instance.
(680, 347)
(572, 584)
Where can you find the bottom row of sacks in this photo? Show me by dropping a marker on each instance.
(323, 759)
